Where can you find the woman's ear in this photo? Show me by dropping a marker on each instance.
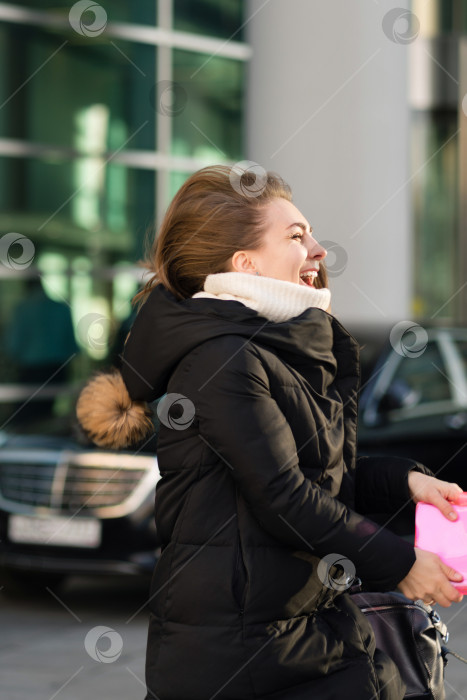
(241, 262)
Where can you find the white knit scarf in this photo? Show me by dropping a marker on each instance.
(275, 299)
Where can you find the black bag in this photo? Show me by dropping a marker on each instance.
(413, 635)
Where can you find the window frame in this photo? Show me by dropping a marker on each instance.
(165, 39)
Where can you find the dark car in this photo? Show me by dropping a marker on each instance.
(67, 507)
(414, 403)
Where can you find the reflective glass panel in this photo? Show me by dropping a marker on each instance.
(435, 211)
(208, 120)
(86, 94)
(219, 18)
(176, 181)
(79, 227)
(62, 318)
(85, 203)
(137, 11)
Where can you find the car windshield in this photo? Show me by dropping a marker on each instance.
(426, 375)
(462, 347)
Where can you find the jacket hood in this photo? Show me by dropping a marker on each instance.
(167, 329)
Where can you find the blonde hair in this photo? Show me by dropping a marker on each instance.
(215, 213)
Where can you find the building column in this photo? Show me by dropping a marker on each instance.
(328, 110)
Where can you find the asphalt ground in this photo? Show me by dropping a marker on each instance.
(87, 638)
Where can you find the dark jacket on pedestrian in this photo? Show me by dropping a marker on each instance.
(260, 490)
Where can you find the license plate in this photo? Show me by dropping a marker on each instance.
(55, 531)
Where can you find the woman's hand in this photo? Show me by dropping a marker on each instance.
(431, 490)
(428, 580)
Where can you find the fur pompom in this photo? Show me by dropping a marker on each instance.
(108, 415)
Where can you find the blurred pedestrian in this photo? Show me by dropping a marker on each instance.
(39, 343)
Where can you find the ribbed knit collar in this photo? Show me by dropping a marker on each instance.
(166, 329)
(274, 299)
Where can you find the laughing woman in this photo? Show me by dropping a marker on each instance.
(261, 489)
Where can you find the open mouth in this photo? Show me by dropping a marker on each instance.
(308, 277)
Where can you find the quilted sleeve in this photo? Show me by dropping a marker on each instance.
(381, 483)
(240, 420)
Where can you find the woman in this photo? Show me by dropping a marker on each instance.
(261, 491)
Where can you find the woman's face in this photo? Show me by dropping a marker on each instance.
(288, 251)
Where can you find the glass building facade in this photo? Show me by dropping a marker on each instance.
(104, 111)
(436, 96)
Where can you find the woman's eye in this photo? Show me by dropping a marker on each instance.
(298, 236)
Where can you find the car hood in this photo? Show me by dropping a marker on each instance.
(32, 441)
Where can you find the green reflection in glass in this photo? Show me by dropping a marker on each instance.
(82, 204)
(210, 126)
(90, 271)
(435, 206)
(87, 226)
(176, 181)
(53, 268)
(92, 94)
(219, 18)
(4, 76)
(137, 11)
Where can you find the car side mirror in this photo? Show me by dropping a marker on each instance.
(398, 395)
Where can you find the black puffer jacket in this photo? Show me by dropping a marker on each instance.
(255, 491)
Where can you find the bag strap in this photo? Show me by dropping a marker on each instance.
(438, 624)
(447, 651)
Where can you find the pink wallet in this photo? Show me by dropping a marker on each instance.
(447, 539)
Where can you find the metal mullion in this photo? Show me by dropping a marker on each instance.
(163, 121)
(144, 34)
(181, 40)
(143, 159)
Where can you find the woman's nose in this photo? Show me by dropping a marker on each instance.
(316, 251)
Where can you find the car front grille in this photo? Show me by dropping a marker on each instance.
(70, 481)
(94, 487)
(27, 483)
